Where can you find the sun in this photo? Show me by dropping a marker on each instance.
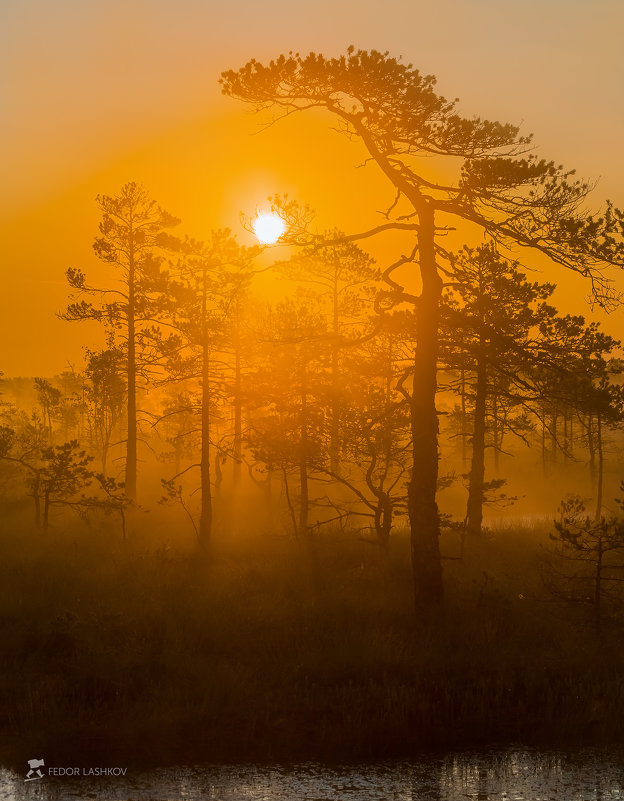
(268, 228)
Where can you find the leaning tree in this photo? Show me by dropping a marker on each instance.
(417, 139)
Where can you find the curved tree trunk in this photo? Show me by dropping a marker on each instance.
(422, 506)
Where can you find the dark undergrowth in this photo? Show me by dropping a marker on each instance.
(126, 653)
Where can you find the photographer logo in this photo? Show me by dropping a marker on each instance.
(34, 772)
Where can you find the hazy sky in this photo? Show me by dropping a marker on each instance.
(94, 93)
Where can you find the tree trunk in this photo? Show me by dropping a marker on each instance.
(291, 508)
(598, 587)
(303, 454)
(422, 506)
(544, 470)
(592, 450)
(383, 522)
(205, 519)
(497, 425)
(238, 401)
(46, 513)
(474, 516)
(131, 443)
(464, 419)
(600, 466)
(37, 499)
(104, 457)
(553, 434)
(334, 446)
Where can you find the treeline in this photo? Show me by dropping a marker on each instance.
(308, 400)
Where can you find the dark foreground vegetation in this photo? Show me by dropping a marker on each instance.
(138, 654)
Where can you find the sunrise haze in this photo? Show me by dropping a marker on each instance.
(96, 94)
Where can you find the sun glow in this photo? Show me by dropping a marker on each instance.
(268, 228)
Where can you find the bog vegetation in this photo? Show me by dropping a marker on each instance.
(310, 505)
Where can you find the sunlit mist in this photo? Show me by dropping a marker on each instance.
(311, 400)
(268, 228)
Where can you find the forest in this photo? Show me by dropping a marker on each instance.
(301, 498)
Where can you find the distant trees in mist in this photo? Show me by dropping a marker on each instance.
(441, 168)
(336, 403)
(306, 401)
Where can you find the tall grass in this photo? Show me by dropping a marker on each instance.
(142, 652)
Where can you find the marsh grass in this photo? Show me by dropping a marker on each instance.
(142, 652)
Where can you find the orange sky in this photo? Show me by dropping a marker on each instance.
(94, 93)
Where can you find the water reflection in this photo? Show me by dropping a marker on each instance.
(507, 775)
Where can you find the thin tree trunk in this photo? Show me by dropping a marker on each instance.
(464, 419)
(592, 450)
(383, 521)
(600, 466)
(104, 457)
(291, 508)
(598, 588)
(303, 454)
(46, 513)
(553, 434)
(334, 446)
(131, 444)
(474, 516)
(495, 425)
(37, 500)
(238, 412)
(422, 506)
(544, 471)
(205, 519)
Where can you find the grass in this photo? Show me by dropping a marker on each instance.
(117, 649)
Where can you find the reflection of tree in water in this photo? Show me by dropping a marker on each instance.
(483, 776)
(426, 780)
(526, 774)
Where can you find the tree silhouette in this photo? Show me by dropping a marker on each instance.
(343, 276)
(375, 427)
(579, 372)
(57, 476)
(591, 552)
(105, 393)
(496, 312)
(210, 276)
(49, 398)
(394, 111)
(131, 232)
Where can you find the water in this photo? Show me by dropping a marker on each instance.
(506, 775)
